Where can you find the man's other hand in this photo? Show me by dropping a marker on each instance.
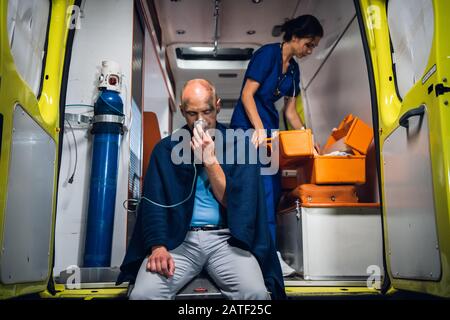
(161, 261)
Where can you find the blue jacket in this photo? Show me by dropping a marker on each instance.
(168, 183)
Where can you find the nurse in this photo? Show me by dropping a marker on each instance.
(272, 74)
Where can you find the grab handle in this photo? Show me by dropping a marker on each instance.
(404, 120)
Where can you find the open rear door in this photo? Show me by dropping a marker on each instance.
(409, 52)
(32, 45)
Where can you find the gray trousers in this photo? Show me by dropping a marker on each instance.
(235, 271)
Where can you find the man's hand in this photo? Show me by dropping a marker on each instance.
(203, 146)
(161, 261)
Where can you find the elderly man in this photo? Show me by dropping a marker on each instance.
(208, 216)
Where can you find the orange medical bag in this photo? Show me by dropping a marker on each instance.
(311, 193)
(352, 136)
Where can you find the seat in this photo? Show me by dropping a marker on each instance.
(201, 287)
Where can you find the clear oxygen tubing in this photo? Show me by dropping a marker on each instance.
(137, 202)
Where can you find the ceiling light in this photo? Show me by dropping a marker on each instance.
(202, 49)
(251, 32)
(256, 1)
(181, 31)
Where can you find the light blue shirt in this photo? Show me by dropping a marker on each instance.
(206, 207)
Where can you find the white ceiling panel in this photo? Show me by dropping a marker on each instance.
(236, 17)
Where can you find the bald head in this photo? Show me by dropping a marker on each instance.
(199, 101)
(198, 89)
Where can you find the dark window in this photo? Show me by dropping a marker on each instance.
(230, 54)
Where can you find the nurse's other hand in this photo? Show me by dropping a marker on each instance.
(259, 137)
(161, 261)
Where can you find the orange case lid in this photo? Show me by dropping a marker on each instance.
(296, 143)
(357, 134)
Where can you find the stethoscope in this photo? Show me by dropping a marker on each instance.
(277, 91)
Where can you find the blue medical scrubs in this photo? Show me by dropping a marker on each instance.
(265, 67)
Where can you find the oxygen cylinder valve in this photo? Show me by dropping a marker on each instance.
(110, 77)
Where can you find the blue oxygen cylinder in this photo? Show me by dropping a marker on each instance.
(107, 129)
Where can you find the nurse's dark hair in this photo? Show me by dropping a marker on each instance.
(305, 26)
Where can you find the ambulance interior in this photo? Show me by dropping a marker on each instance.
(344, 241)
(330, 243)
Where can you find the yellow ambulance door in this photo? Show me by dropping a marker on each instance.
(410, 58)
(32, 47)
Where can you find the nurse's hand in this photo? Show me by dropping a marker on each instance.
(259, 137)
(161, 261)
